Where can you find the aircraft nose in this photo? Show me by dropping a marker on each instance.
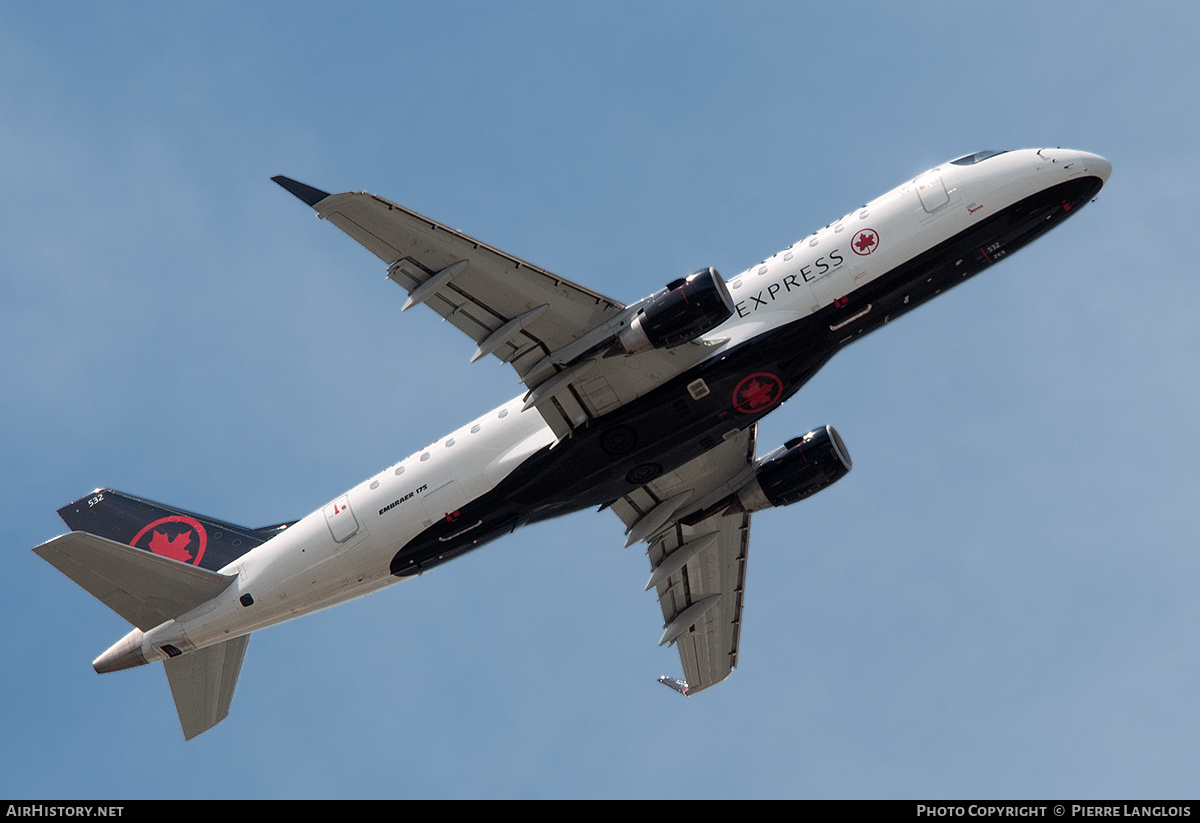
(1096, 165)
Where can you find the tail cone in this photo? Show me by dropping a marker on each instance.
(124, 654)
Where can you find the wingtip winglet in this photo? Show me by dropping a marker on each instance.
(311, 196)
(675, 683)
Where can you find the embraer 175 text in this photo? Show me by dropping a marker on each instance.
(650, 410)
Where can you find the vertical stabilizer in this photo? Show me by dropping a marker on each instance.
(166, 531)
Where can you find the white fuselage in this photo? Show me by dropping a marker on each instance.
(343, 550)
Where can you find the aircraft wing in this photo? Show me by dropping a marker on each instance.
(552, 331)
(512, 309)
(697, 555)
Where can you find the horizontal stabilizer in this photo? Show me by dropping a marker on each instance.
(143, 588)
(202, 683)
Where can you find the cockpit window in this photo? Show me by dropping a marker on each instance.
(977, 157)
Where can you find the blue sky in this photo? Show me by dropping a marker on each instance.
(999, 601)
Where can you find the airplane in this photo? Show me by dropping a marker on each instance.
(649, 410)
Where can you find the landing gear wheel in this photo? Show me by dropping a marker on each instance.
(618, 440)
(644, 473)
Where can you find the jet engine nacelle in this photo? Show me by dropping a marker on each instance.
(680, 313)
(805, 466)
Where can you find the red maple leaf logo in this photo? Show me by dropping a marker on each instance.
(756, 392)
(865, 242)
(171, 537)
(173, 547)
